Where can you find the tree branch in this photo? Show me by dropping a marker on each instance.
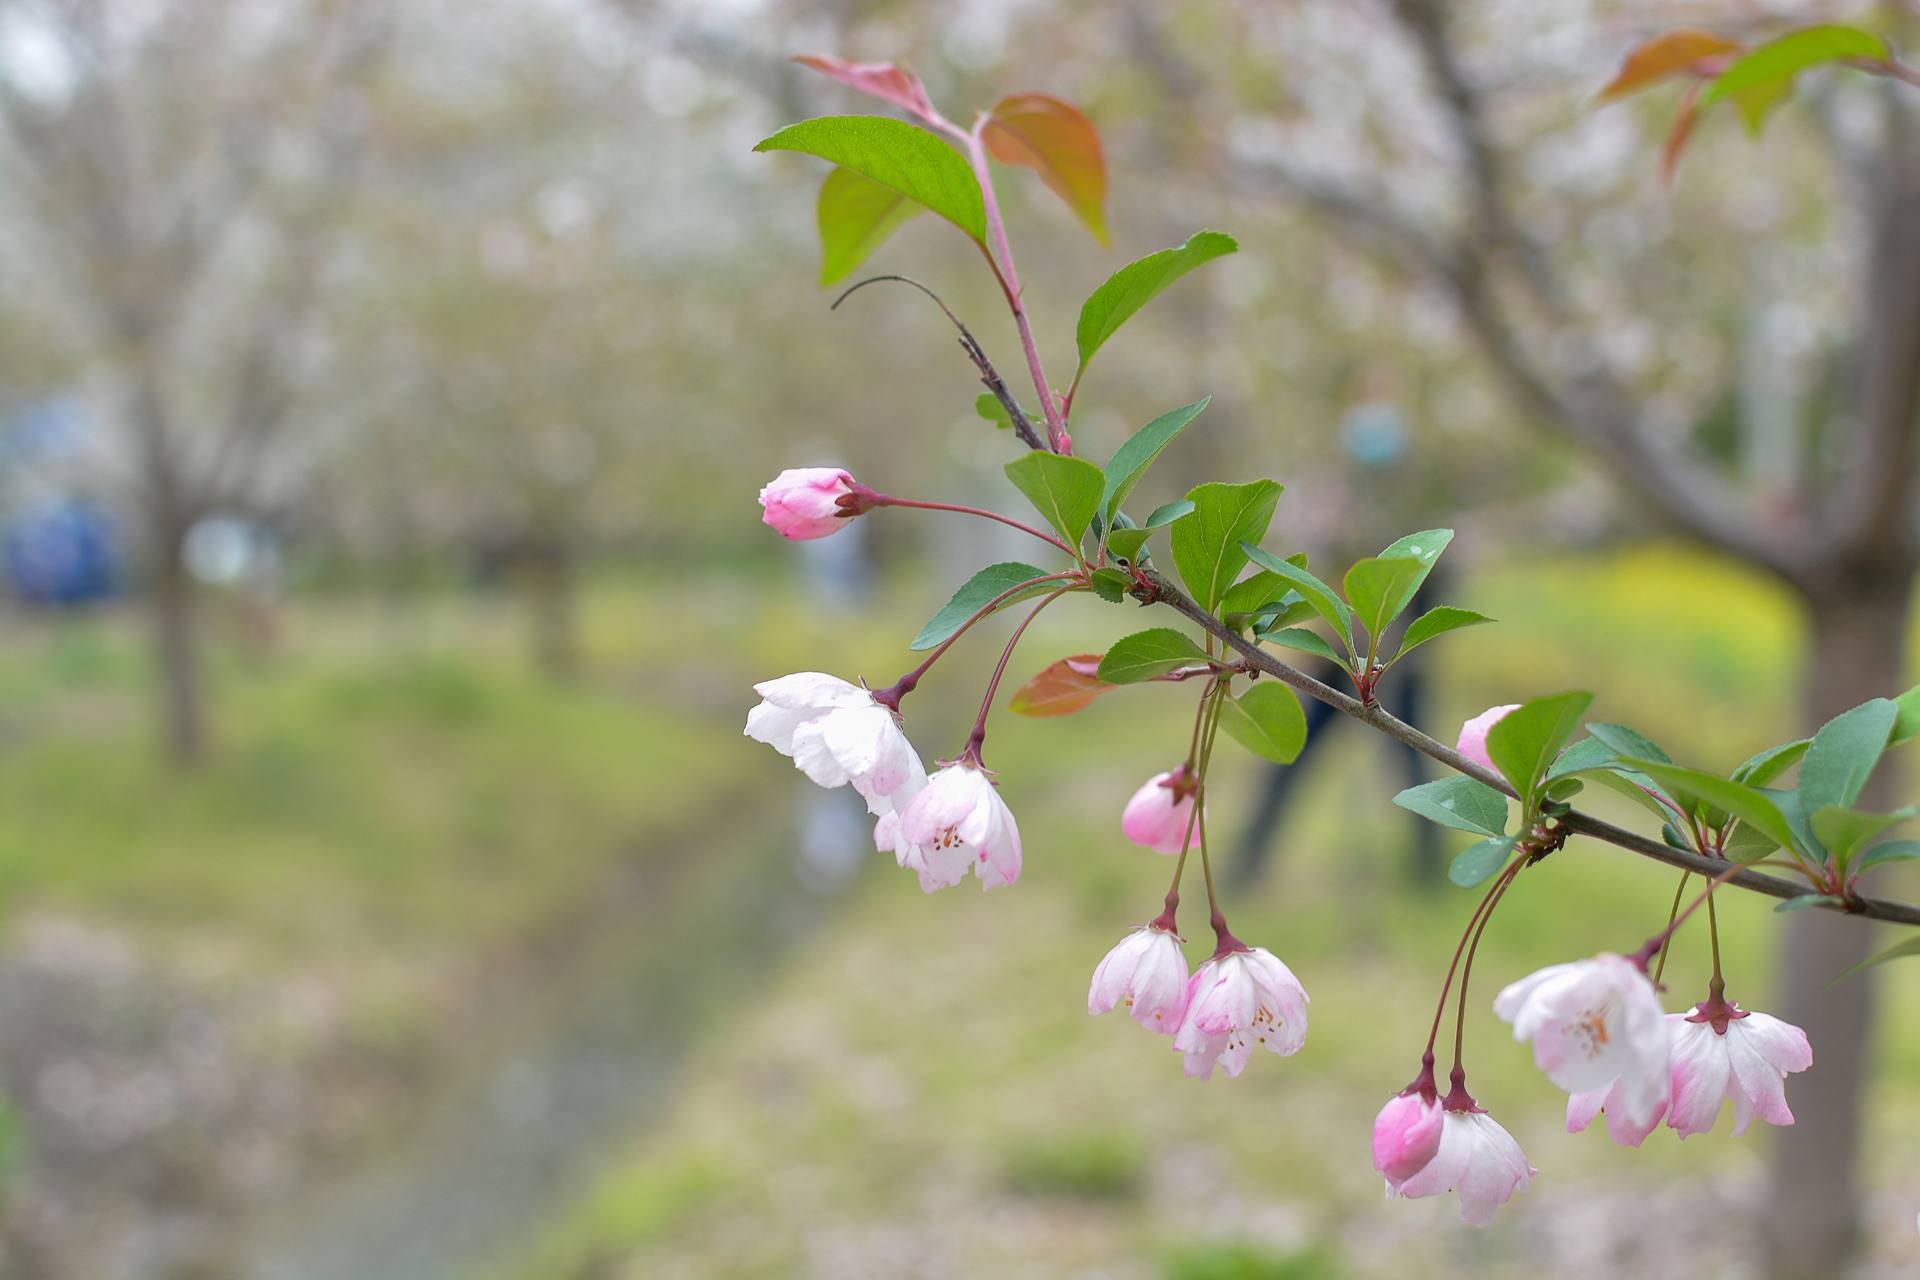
(1258, 659)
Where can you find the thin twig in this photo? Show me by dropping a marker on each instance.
(1579, 823)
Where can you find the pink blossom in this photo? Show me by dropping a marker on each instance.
(1161, 812)
(1739, 1055)
(1147, 972)
(1473, 735)
(1594, 1023)
(1235, 1001)
(804, 502)
(1474, 1157)
(835, 733)
(957, 823)
(1612, 1099)
(1406, 1134)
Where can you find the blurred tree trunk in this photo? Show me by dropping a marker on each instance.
(1859, 627)
(553, 601)
(174, 612)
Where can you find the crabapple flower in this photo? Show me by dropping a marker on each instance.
(804, 502)
(1594, 1023)
(1235, 1001)
(1406, 1134)
(957, 823)
(1147, 972)
(1475, 1157)
(835, 733)
(1583, 1107)
(1161, 813)
(1739, 1055)
(1473, 735)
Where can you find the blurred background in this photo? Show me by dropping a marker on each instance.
(387, 890)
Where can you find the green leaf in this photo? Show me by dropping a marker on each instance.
(1635, 787)
(1209, 541)
(1747, 845)
(1425, 547)
(1167, 513)
(1844, 831)
(1131, 460)
(1064, 489)
(1256, 590)
(1311, 589)
(1768, 70)
(1748, 803)
(1844, 752)
(856, 215)
(1138, 283)
(1266, 720)
(1628, 742)
(1478, 861)
(1374, 587)
(1588, 753)
(1805, 900)
(1146, 654)
(1126, 543)
(1275, 617)
(1763, 768)
(1891, 851)
(1460, 802)
(895, 154)
(1906, 727)
(1436, 621)
(1526, 739)
(1110, 585)
(1305, 641)
(1911, 947)
(973, 596)
(988, 406)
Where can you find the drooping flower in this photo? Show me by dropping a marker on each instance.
(1733, 1053)
(1161, 812)
(1237, 1000)
(1406, 1134)
(956, 823)
(1628, 1132)
(835, 732)
(804, 502)
(1594, 1023)
(1473, 735)
(1474, 1157)
(1147, 972)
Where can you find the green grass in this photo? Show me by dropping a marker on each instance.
(923, 1081)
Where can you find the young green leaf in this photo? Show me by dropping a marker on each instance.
(1435, 622)
(1748, 803)
(1891, 851)
(1136, 284)
(855, 216)
(1637, 787)
(1805, 900)
(1588, 753)
(1906, 725)
(1053, 138)
(973, 596)
(1899, 950)
(1258, 589)
(1763, 768)
(1767, 72)
(1460, 802)
(894, 154)
(1126, 543)
(1061, 688)
(988, 406)
(1425, 547)
(1844, 752)
(1845, 831)
(1266, 720)
(1315, 592)
(1526, 739)
(1478, 861)
(1305, 641)
(1131, 460)
(1209, 541)
(1146, 654)
(1375, 589)
(1110, 585)
(1063, 488)
(1628, 742)
(1167, 513)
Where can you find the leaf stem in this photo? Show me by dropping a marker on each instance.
(888, 501)
(1460, 1014)
(893, 693)
(979, 735)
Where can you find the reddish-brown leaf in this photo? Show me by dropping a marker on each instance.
(883, 80)
(1683, 122)
(1053, 138)
(1685, 50)
(1062, 688)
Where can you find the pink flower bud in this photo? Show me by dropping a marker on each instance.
(804, 502)
(1161, 812)
(1406, 1134)
(1473, 734)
